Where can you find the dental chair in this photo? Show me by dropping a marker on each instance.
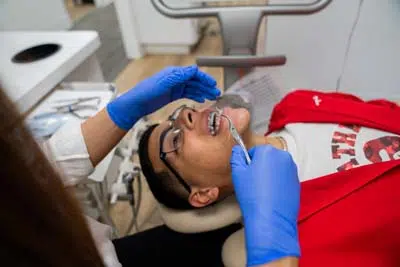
(227, 212)
(240, 27)
(214, 217)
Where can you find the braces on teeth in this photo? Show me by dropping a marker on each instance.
(214, 121)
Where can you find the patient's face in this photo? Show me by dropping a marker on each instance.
(202, 159)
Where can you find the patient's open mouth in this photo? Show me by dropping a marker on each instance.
(214, 119)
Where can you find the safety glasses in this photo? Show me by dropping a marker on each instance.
(170, 141)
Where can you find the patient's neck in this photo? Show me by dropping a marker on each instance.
(251, 140)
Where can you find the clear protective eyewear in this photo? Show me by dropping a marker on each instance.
(171, 140)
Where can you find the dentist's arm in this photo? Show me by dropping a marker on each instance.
(103, 131)
(268, 192)
(101, 135)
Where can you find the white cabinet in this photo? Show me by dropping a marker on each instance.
(146, 31)
(27, 83)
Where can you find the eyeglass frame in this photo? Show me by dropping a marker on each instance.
(163, 155)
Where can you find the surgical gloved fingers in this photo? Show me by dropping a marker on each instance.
(262, 151)
(185, 74)
(238, 159)
(197, 94)
(205, 78)
(195, 97)
(197, 87)
(189, 72)
(172, 76)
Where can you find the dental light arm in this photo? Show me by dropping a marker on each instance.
(239, 30)
(281, 9)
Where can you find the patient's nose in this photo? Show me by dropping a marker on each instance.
(188, 118)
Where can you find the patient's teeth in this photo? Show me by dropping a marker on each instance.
(210, 123)
(214, 121)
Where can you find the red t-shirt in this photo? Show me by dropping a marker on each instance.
(352, 217)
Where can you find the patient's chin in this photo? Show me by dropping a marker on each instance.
(240, 118)
(237, 109)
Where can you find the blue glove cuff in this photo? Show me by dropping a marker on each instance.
(124, 122)
(271, 255)
(266, 245)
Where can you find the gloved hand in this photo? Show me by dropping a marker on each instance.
(166, 86)
(268, 192)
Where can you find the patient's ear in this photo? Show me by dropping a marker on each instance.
(201, 197)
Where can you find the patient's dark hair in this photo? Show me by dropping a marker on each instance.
(165, 188)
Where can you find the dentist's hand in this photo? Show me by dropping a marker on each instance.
(268, 192)
(168, 85)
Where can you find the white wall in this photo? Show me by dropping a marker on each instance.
(102, 3)
(129, 29)
(146, 31)
(34, 15)
(155, 28)
(315, 48)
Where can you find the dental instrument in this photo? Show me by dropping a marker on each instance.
(237, 138)
(65, 109)
(72, 105)
(79, 100)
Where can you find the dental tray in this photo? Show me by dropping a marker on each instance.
(44, 120)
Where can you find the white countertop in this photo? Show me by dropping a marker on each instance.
(27, 83)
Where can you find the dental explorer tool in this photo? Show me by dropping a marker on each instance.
(237, 138)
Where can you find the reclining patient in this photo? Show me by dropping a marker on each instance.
(347, 151)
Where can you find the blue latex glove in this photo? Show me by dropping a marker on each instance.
(166, 86)
(268, 192)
